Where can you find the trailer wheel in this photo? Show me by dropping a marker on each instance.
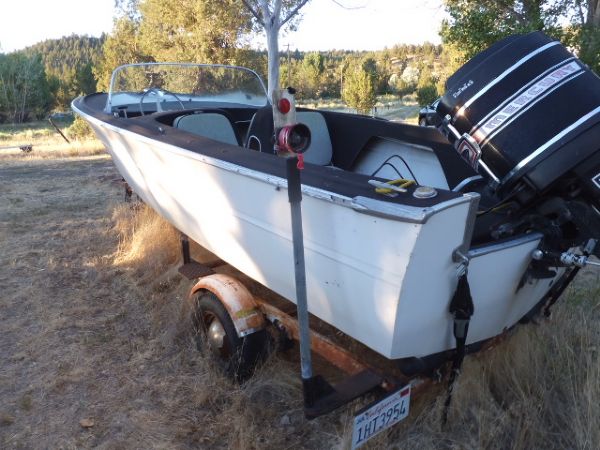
(216, 335)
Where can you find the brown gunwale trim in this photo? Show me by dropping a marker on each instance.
(336, 181)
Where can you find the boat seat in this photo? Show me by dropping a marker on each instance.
(320, 150)
(260, 131)
(213, 125)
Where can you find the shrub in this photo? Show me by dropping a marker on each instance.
(426, 94)
(79, 129)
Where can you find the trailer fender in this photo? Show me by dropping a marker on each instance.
(237, 300)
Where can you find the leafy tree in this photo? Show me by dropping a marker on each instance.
(79, 129)
(330, 80)
(451, 58)
(399, 86)
(426, 89)
(312, 70)
(24, 89)
(202, 31)
(360, 85)
(384, 70)
(85, 82)
(584, 31)
(67, 52)
(63, 88)
(410, 75)
(476, 24)
(314, 65)
(272, 15)
(120, 47)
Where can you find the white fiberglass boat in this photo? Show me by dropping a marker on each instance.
(195, 142)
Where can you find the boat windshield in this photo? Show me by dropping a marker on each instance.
(153, 87)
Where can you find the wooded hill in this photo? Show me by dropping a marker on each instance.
(62, 55)
(48, 75)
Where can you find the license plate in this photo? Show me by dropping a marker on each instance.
(373, 419)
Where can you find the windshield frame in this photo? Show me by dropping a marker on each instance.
(109, 106)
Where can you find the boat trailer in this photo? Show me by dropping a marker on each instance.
(250, 313)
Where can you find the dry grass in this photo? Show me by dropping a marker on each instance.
(392, 107)
(47, 143)
(92, 330)
(539, 389)
(93, 327)
(147, 242)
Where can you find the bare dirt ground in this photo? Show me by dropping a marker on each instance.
(90, 331)
(95, 351)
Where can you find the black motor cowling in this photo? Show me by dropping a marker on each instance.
(525, 113)
(533, 110)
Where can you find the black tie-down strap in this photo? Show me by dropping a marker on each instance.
(461, 308)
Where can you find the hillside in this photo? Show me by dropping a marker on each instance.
(68, 64)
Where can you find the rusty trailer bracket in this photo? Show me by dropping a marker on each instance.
(320, 396)
(191, 269)
(326, 398)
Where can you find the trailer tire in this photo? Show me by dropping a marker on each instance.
(215, 334)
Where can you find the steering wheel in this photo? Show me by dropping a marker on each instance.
(159, 93)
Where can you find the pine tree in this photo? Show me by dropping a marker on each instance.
(360, 85)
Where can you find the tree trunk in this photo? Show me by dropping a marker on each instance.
(593, 13)
(272, 31)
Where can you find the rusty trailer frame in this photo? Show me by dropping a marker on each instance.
(251, 314)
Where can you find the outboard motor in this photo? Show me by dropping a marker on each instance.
(525, 113)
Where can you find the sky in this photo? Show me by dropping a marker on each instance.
(374, 24)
